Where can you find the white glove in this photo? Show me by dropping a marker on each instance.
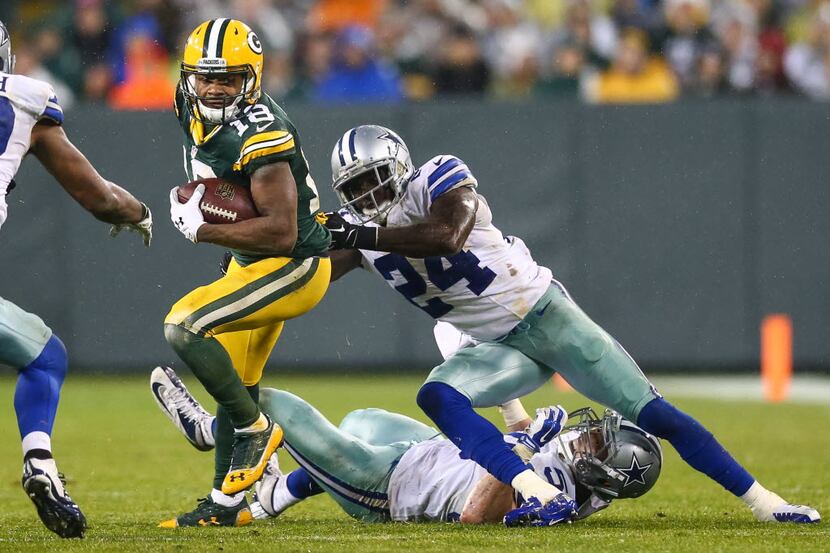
(144, 227)
(187, 217)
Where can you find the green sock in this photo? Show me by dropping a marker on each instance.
(213, 367)
(224, 440)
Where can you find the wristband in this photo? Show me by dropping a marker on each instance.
(365, 238)
(513, 412)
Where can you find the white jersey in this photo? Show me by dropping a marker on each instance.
(23, 102)
(486, 289)
(432, 482)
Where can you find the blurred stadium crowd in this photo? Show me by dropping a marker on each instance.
(125, 52)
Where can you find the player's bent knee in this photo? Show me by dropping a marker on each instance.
(435, 398)
(357, 414)
(52, 359)
(590, 344)
(179, 337)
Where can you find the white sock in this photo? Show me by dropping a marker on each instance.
(281, 498)
(530, 485)
(761, 501)
(260, 424)
(226, 500)
(36, 440)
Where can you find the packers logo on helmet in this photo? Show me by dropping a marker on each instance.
(226, 50)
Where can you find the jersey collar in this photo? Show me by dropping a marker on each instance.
(197, 132)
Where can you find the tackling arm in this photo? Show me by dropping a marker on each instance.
(105, 200)
(343, 261)
(275, 195)
(443, 233)
(489, 501)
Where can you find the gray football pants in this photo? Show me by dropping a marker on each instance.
(22, 335)
(556, 336)
(351, 463)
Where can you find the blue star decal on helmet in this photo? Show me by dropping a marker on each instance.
(392, 137)
(634, 473)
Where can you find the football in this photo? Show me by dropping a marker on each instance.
(224, 202)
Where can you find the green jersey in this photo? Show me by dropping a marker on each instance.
(234, 150)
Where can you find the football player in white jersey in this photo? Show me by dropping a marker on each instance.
(381, 466)
(30, 122)
(429, 234)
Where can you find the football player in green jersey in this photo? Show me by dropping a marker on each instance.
(225, 331)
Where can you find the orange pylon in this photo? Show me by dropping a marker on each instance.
(776, 357)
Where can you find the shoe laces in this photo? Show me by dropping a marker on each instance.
(184, 404)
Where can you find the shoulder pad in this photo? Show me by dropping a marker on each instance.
(33, 96)
(444, 173)
(266, 134)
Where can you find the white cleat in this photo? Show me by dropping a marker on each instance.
(182, 408)
(263, 503)
(787, 512)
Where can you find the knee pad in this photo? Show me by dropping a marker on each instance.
(178, 337)
(589, 344)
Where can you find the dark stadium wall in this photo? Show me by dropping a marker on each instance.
(675, 227)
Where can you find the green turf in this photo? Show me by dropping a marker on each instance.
(128, 468)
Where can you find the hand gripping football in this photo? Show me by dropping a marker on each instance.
(224, 202)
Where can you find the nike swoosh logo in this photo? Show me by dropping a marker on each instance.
(438, 163)
(157, 386)
(263, 127)
(541, 312)
(338, 229)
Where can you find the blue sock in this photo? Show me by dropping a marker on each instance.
(695, 444)
(38, 389)
(476, 437)
(300, 484)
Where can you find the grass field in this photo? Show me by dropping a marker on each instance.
(128, 469)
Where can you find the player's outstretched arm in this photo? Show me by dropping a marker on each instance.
(489, 501)
(343, 261)
(275, 231)
(443, 233)
(107, 201)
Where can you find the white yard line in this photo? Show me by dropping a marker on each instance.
(804, 389)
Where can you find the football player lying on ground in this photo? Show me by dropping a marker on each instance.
(381, 466)
(30, 122)
(430, 236)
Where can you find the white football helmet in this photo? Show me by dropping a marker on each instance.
(6, 57)
(370, 169)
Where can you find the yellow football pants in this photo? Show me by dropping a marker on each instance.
(246, 309)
